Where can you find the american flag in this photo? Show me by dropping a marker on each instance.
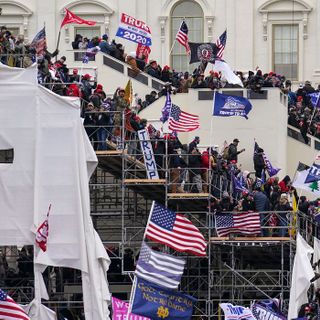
(221, 44)
(182, 36)
(175, 230)
(181, 121)
(9, 309)
(159, 268)
(246, 223)
(39, 42)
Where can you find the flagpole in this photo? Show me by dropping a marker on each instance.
(133, 291)
(175, 39)
(148, 222)
(134, 285)
(58, 41)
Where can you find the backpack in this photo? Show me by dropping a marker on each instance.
(225, 153)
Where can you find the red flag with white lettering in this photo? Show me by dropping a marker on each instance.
(72, 18)
(43, 232)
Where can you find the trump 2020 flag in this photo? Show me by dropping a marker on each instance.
(229, 106)
(159, 268)
(134, 30)
(155, 302)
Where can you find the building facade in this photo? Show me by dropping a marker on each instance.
(273, 35)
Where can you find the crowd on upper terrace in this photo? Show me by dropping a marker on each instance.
(102, 124)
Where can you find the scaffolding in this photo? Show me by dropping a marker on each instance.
(236, 269)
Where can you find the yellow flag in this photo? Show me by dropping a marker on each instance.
(293, 225)
(128, 92)
(294, 203)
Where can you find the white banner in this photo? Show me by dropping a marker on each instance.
(147, 150)
(232, 312)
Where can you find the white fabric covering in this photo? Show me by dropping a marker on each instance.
(53, 160)
(302, 273)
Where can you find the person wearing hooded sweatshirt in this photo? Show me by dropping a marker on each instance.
(283, 207)
(262, 204)
(105, 46)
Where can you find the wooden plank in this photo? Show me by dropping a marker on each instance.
(253, 239)
(108, 152)
(188, 195)
(149, 181)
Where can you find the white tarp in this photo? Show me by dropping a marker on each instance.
(302, 273)
(53, 160)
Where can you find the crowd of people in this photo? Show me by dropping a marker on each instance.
(302, 114)
(213, 170)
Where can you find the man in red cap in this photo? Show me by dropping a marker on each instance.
(87, 86)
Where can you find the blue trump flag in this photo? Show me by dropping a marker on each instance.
(315, 99)
(155, 302)
(313, 174)
(229, 106)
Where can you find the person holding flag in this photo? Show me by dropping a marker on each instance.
(70, 17)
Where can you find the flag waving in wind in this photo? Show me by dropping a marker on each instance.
(90, 53)
(9, 309)
(175, 231)
(270, 169)
(72, 18)
(182, 36)
(181, 121)
(39, 42)
(43, 232)
(159, 268)
(221, 44)
(315, 99)
(228, 106)
(166, 109)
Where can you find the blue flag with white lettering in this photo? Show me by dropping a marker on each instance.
(315, 99)
(229, 106)
(155, 302)
(313, 174)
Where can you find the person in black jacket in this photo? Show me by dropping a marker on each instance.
(90, 124)
(195, 170)
(233, 150)
(102, 122)
(258, 162)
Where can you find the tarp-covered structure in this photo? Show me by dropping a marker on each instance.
(53, 161)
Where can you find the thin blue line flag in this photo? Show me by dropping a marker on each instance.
(155, 302)
(229, 106)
